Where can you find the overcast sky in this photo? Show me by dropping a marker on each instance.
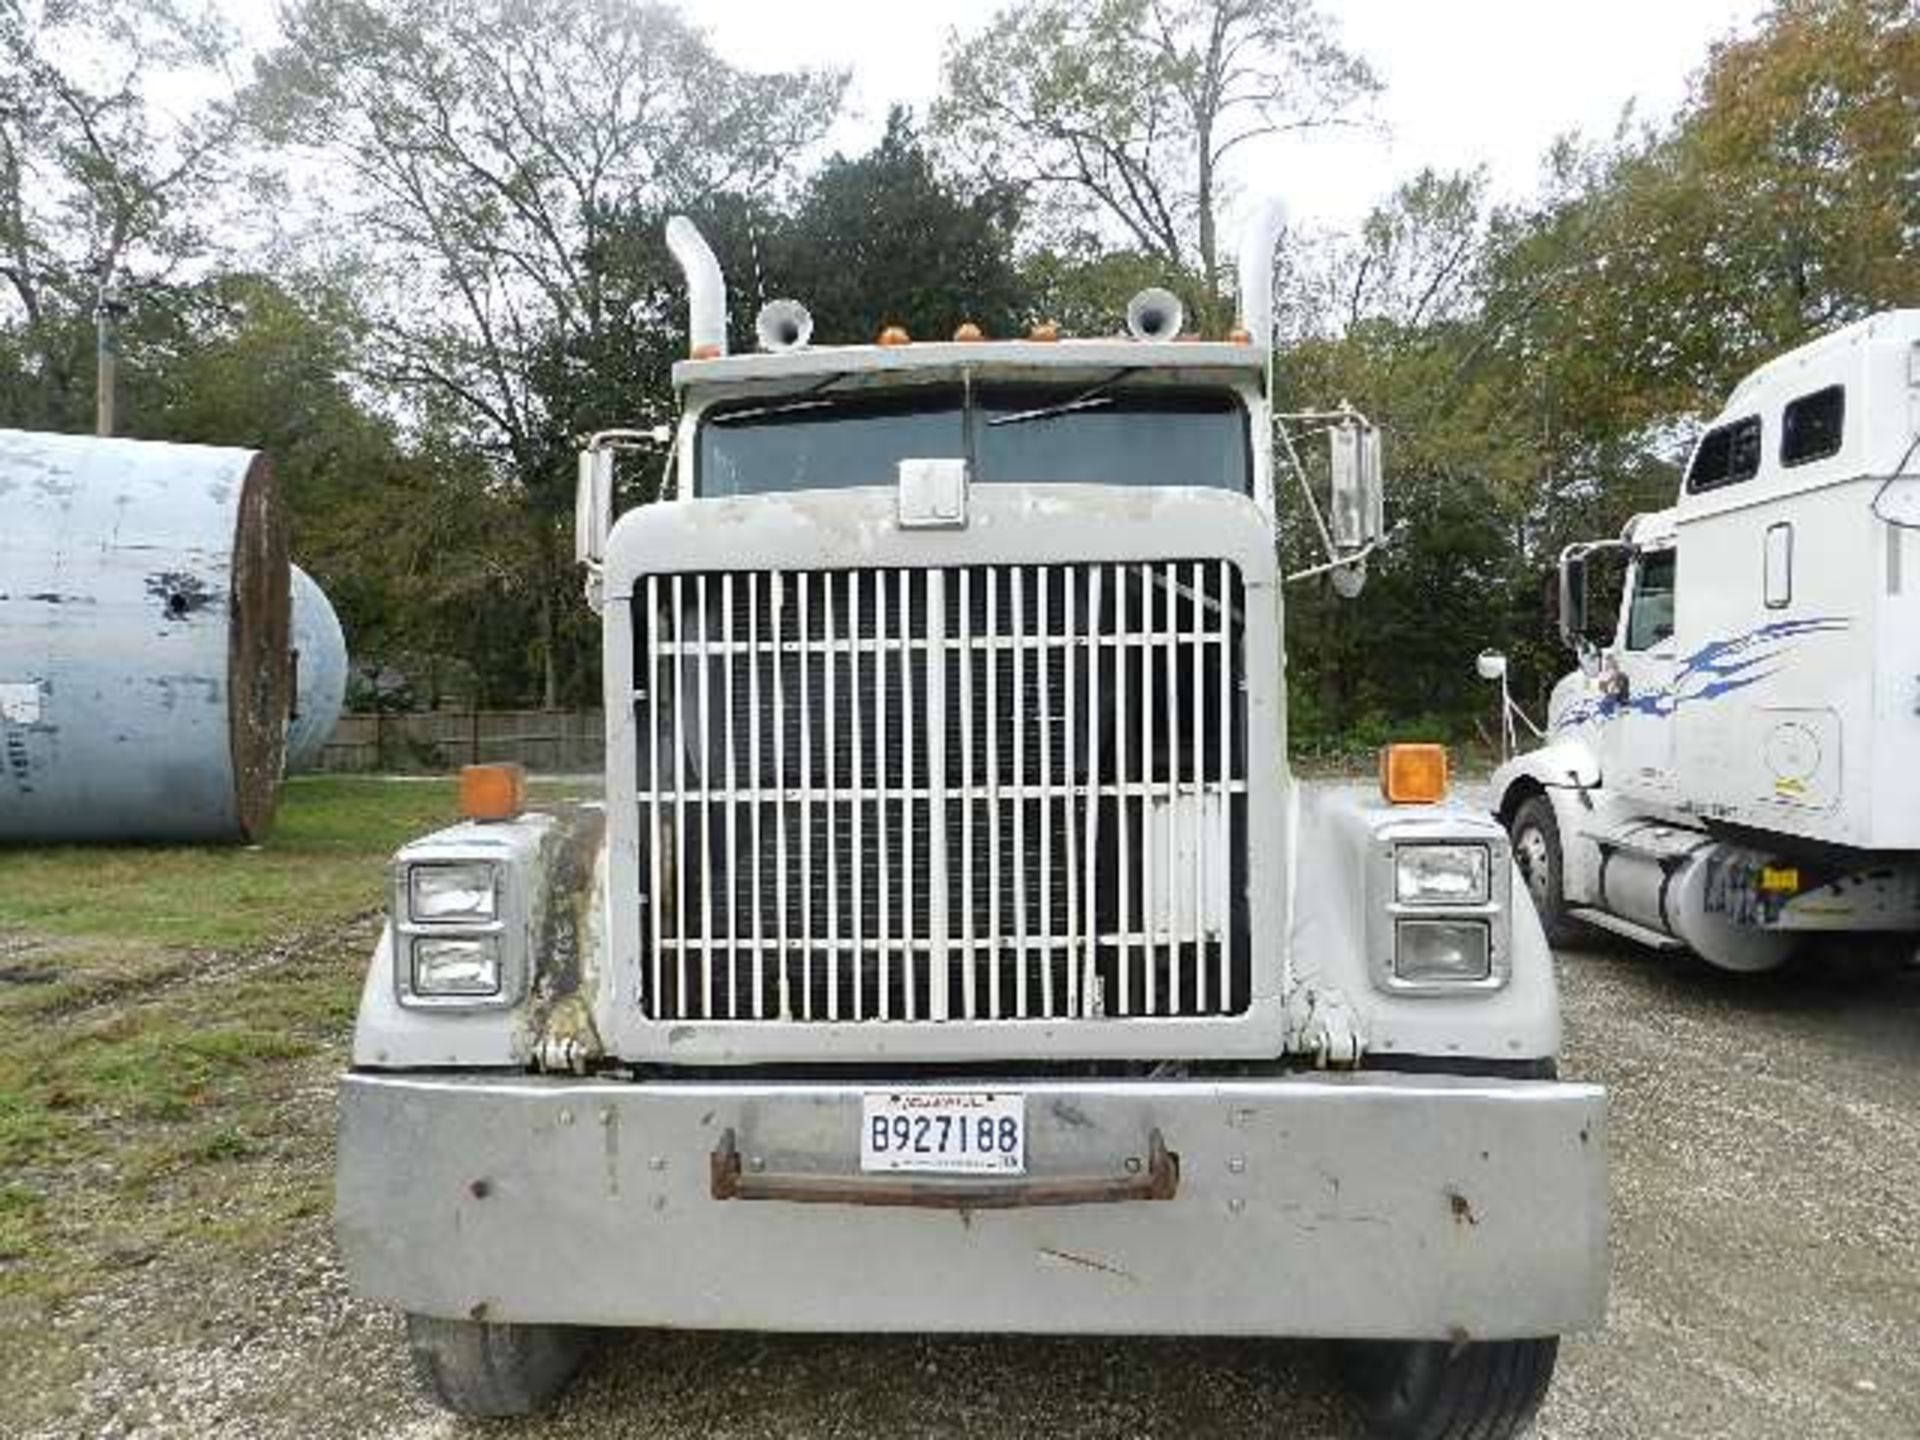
(1467, 81)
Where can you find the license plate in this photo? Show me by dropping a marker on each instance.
(955, 1132)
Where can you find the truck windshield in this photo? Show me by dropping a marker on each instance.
(1095, 434)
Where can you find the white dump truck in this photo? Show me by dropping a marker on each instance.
(1737, 770)
(953, 950)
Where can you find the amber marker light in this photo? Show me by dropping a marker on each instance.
(894, 335)
(968, 334)
(1413, 774)
(492, 792)
(1046, 332)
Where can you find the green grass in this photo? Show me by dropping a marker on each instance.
(324, 858)
(164, 1011)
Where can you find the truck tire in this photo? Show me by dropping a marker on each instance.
(1536, 850)
(1433, 1390)
(479, 1369)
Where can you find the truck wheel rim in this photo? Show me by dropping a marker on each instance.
(1530, 849)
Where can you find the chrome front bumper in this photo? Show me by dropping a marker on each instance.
(1364, 1205)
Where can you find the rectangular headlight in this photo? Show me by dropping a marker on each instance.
(443, 965)
(454, 892)
(1442, 951)
(1440, 874)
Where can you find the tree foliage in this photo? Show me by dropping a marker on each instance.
(463, 270)
(491, 148)
(99, 184)
(1132, 106)
(884, 239)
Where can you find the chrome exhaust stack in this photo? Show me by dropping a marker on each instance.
(1257, 242)
(706, 289)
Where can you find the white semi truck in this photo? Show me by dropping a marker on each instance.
(1738, 770)
(953, 949)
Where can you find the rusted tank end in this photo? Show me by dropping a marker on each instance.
(260, 680)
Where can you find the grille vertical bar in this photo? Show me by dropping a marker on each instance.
(649, 703)
(883, 996)
(966, 653)
(1020, 789)
(754, 728)
(1049, 788)
(994, 811)
(1086, 962)
(1013, 792)
(680, 854)
(1123, 780)
(703, 736)
(830, 652)
(1197, 694)
(730, 844)
(1149, 917)
(1223, 778)
(783, 907)
(855, 646)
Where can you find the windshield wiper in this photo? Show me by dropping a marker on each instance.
(808, 399)
(1091, 399)
(786, 407)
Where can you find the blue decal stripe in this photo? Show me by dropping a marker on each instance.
(1720, 667)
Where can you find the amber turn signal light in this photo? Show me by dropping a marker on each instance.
(1413, 774)
(492, 792)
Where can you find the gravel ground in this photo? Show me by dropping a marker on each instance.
(1766, 1254)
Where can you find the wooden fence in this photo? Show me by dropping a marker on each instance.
(548, 741)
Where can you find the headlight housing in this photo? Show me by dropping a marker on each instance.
(1440, 952)
(1434, 874)
(459, 892)
(450, 965)
(1439, 907)
(459, 919)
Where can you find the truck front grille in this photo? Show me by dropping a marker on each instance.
(990, 792)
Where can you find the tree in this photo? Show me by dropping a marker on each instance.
(1541, 370)
(1781, 202)
(480, 159)
(100, 186)
(883, 239)
(1132, 106)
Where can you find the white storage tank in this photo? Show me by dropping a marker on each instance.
(319, 670)
(144, 662)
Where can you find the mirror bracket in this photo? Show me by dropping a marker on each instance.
(1353, 524)
(1573, 598)
(594, 496)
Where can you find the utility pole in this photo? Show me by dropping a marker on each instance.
(107, 309)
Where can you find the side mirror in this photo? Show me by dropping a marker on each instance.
(593, 506)
(1358, 501)
(1573, 599)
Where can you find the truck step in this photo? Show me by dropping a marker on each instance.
(1640, 934)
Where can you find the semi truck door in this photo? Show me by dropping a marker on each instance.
(1640, 735)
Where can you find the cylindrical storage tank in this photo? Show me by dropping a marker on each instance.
(319, 672)
(144, 675)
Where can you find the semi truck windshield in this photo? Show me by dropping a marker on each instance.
(1069, 434)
